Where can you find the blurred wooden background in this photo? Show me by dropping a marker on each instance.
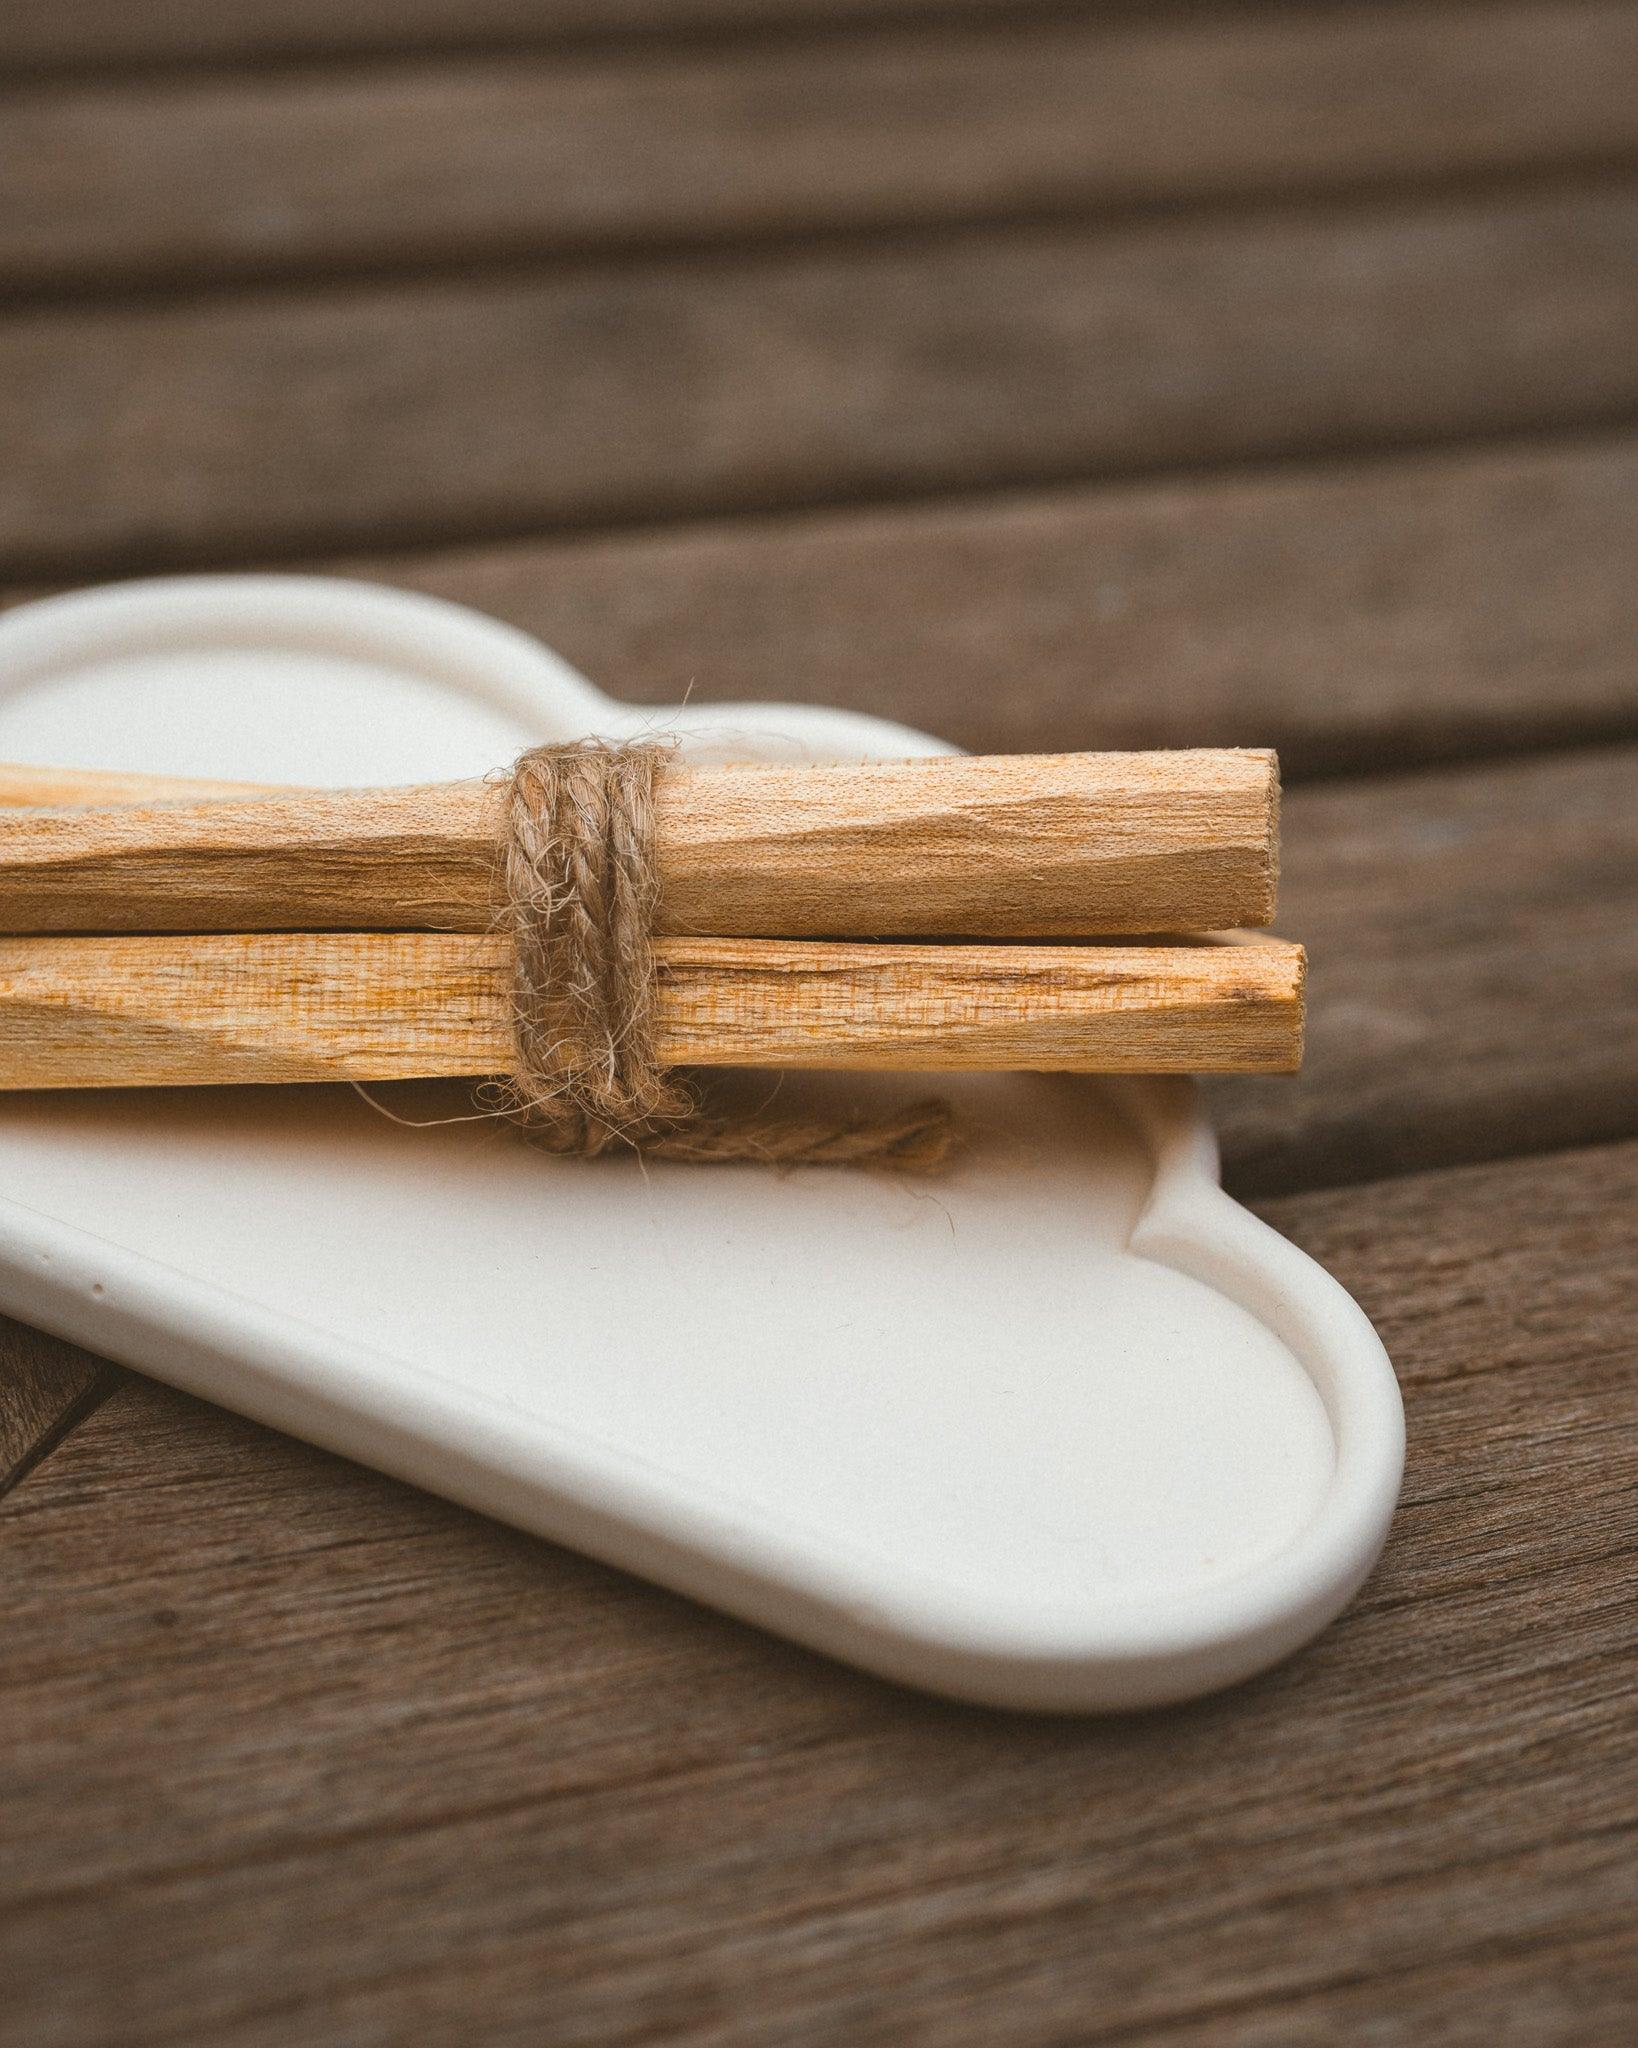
(1048, 376)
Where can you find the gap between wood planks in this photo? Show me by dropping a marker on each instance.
(422, 554)
(362, 1803)
(462, 166)
(105, 42)
(47, 1388)
(672, 391)
(608, 258)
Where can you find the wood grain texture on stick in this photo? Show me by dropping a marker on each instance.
(26, 785)
(378, 1006)
(1028, 846)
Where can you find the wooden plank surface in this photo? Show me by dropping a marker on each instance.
(307, 1755)
(1047, 377)
(497, 157)
(1356, 616)
(1473, 990)
(367, 415)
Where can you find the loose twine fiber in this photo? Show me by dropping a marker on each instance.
(579, 888)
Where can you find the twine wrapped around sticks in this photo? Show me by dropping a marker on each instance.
(579, 888)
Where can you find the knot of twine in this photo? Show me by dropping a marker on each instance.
(579, 889)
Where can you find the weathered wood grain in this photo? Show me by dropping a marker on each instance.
(1473, 939)
(304, 1753)
(1357, 616)
(997, 847)
(379, 415)
(496, 157)
(267, 1007)
(291, 1753)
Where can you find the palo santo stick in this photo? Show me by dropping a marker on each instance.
(23, 784)
(1011, 846)
(381, 1006)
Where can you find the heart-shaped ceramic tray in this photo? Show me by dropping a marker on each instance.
(1070, 1429)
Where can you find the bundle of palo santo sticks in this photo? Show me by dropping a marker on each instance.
(960, 913)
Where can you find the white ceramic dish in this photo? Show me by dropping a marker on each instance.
(1070, 1430)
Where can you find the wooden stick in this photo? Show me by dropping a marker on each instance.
(377, 1006)
(1012, 846)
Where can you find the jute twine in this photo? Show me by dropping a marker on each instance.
(579, 889)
